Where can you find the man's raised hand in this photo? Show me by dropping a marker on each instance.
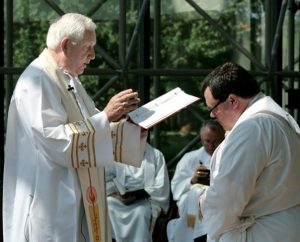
(120, 104)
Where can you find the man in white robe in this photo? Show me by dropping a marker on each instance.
(133, 220)
(55, 133)
(254, 194)
(186, 189)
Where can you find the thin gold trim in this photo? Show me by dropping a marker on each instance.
(72, 148)
(116, 144)
(88, 142)
(93, 142)
(77, 142)
(121, 142)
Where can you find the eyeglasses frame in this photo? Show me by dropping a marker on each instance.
(214, 107)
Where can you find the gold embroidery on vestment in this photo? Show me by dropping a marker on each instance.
(88, 142)
(116, 144)
(121, 142)
(93, 141)
(93, 209)
(191, 220)
(73, 143)
(83, 139)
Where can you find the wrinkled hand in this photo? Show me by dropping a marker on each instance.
(201, 175)
(120, 104)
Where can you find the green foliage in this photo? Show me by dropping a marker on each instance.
(29, 41)
(191, 42)
(108, 39)
(188, 42)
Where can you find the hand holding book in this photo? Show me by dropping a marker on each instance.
(201, 175)
(136, 193)
(125, 201)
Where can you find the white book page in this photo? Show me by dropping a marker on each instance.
(162, 107)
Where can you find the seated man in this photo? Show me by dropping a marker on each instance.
(186, 185)
(132, 218)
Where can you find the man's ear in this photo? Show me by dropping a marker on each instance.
(64, 44)
(233, 99)
(237, 102)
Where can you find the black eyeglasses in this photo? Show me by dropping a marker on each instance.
(214, 107)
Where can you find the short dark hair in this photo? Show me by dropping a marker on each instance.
(230, 78)
(214, 125)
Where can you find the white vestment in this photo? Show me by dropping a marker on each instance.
(47, 138)
(188, 226)
(254, 194)
(134, 222)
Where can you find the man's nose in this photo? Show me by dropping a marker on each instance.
(91, 53)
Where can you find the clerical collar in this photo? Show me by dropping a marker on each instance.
(256, 98)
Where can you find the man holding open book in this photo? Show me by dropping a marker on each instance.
(136, 196)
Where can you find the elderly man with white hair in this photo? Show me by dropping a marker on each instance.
(57, 143)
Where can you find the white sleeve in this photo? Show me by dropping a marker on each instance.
(159, 189)
(181, 181)
(46, 121)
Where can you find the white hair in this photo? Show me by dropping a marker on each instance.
(72, 25)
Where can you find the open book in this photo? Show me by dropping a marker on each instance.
(138, 193)
(161, 108)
